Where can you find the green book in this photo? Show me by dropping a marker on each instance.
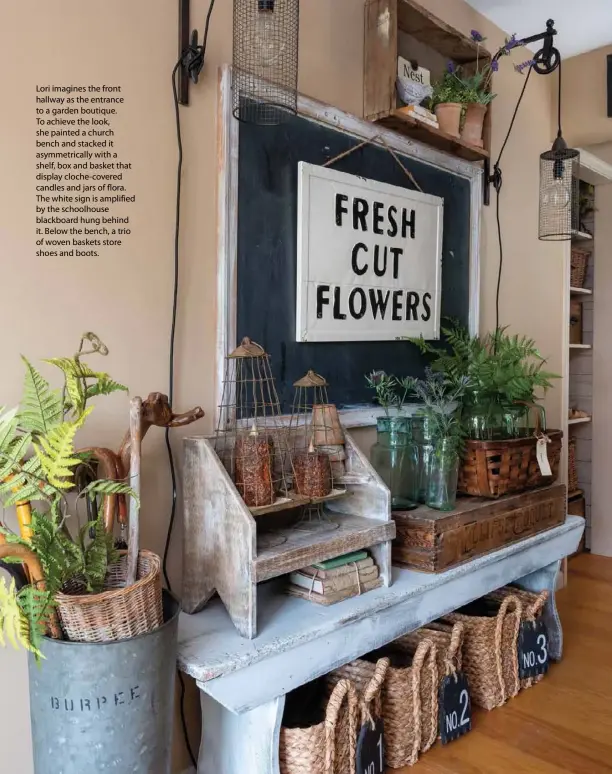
(339, 561)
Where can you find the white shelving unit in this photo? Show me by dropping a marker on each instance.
(578, 360)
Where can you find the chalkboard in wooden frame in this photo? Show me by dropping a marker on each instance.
(256, 261)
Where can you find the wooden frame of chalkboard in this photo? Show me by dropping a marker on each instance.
(228, 139)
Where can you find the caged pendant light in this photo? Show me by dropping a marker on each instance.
(559, 200)
(265, 62)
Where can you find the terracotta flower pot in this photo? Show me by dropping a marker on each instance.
(475, 114)
(449, 117)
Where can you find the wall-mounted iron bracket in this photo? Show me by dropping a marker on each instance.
(191, 54)
(545, 61)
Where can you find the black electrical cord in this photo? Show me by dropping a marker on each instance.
(192, 59)
(497, 184)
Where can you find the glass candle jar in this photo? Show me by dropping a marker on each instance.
(442, 476)
(421, 435)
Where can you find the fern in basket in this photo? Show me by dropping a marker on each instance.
(38, 462)
(501, 368)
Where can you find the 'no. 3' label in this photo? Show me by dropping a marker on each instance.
(533, 649)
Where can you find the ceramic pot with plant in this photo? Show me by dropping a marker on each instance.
(447, 101)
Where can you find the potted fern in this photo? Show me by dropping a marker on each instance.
(506, 374)
(70, 582)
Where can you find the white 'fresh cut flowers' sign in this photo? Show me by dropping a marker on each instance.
(369, 259)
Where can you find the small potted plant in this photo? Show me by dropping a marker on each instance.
(447, 101)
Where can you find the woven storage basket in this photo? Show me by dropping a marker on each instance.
(368, 679)
(579, 266)
(496, 468)
(448, 640)
(326, 747)
(117, 613)
(533, 607)
(490, 653)
(409, 693)
(572, 470)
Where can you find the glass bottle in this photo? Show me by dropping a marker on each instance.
(443, 474)
(393, 457)
(483, 417)
(421, 435)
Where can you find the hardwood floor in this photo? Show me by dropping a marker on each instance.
(563, 724)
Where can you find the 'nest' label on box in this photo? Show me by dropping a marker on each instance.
(369, 259)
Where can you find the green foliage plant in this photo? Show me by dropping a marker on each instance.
(38, 461)
(502, 368)
(441, 404)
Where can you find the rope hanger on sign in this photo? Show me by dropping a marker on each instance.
(386, 146)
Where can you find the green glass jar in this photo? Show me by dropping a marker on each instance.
(484, 418)
(393, 457)
(442, 476)
(522, 420)
(421, 435)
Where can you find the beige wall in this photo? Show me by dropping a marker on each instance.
(125, 297)
(584, 99)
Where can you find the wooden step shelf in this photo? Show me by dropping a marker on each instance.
(229, 548)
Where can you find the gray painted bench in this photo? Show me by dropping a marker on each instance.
(243, 682)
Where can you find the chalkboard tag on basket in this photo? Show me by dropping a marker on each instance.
(455, 707)
(533, 649)
(371, 749)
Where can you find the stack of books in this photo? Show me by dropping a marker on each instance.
(336, 579)
(421, 114)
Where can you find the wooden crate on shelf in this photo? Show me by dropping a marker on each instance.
(229, 549)
(394, 27)
(434, 541)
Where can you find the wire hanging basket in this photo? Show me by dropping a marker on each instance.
(265, 60)
(559, 196)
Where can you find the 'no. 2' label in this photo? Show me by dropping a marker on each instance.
(455, 707)
(371, 749)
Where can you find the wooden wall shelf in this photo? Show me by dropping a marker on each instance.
(404, 124)
(404, 27)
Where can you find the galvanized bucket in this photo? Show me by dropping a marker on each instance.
(106, 707)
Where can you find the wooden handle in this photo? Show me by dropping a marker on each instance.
(34, 568)
(134, 528)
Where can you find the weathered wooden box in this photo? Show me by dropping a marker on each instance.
(434, 541)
